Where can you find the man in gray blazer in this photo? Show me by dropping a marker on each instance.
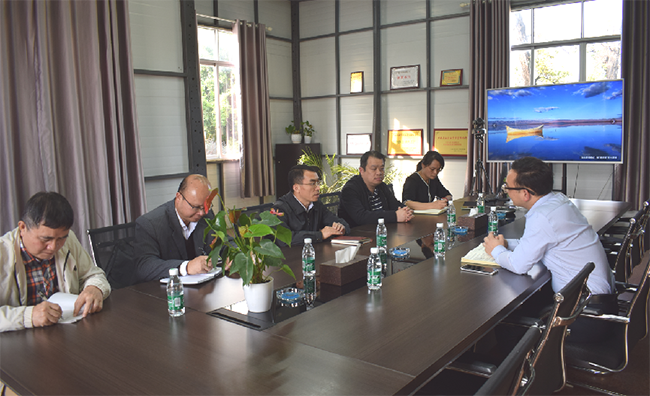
(171, 236)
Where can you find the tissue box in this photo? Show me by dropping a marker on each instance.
(339, 274)
(476, 224)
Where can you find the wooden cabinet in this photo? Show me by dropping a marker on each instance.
(286, 156)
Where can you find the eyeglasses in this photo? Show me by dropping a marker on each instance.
(505, 188)
(195, 207)
(315, 183)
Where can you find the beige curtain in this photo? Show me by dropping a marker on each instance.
(632, 181)
(67, 110)
(490, 55)
(257, 179)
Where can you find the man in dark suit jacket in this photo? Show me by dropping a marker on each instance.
(171, 236)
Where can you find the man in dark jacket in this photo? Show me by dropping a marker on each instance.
(365, 198)
(303, 213)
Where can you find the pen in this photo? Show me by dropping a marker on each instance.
(42, 295)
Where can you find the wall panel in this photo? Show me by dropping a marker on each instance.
(160, 191)
(449, 48)
(450, 108)
(281, 117)
(321, 113)
(237, 9)
(317, 67)
(277, 15)
(279, 62)
(448, 7)
(356, 55)
(403, 46)
(403, 111)
(402, 10)
(316, 18)
(355, 14)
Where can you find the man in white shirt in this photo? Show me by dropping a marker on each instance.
(556, 234)
(171, 236)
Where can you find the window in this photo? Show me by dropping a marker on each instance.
(577, 41)
(218, 51)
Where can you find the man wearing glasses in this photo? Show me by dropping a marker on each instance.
(302, 211)
(556, 234)
(171, 236)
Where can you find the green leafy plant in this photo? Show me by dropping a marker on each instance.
(307, 128)
(252, 249)
(341, 173)
(292, 130)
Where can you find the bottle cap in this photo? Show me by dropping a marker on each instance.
(380, 221)
(439, 225)
(307, 240)
(494, 208)
(173, 271)
(480, 194)
(374, 250)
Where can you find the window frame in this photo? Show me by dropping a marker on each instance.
(582, 42)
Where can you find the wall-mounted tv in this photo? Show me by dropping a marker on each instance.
(580, 122)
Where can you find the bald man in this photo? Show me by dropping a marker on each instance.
(171, 236)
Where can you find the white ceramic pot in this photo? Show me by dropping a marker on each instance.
(307, 139)
(296, 137)
(259, 296)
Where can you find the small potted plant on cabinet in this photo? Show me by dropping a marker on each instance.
(296, 133)
(307, 131)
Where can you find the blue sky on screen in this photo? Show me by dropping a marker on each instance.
(580, 101)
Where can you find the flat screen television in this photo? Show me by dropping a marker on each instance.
(579, 122)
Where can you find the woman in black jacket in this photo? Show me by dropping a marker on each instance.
(423, 190)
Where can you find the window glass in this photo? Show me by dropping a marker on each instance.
(603, 17)
(520, 68)
(209, 111)
(604, 61)
(228, 47)
(229, 121)
(520, 27)
(207, 43)
(557, 65)
(561, 22)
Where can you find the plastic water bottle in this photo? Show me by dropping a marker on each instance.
(382, 233)
(451, 215)
(439, 241)
(309, 282)
(308, 259)
(493, 221)
(175, 294)
(374, 270)
(480, 203)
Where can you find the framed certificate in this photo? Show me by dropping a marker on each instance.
(405, 77)
(357, 143)
(451, 77)
(405, 142)
(356, 82)
(450, 142)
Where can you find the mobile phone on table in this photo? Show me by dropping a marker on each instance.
(479, 269)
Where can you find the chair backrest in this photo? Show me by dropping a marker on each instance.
(548, 357)
(331, 201)
(515, 374)
(629, 252)
(251, 210)
(637, 310)
(112, 251)
(644, 227)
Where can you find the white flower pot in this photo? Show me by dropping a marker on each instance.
(307, 139)
(296, 137)
(259, 296)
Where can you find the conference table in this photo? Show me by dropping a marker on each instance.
(390, 341)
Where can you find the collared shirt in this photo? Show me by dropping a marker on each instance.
(307, 209)
(187, 229)
(41, 276)
(559, 236)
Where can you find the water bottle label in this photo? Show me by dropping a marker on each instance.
(308, 264)
(481, 208)
(374, 276)
(451, 218)
(381, 240)
(439, 246)
(175, 302)
(493, 226)
(310, 285)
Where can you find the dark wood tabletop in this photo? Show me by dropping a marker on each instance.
(383, 342)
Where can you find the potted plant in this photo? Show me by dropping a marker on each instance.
(307, 131)
(296, 133)
(251, 250)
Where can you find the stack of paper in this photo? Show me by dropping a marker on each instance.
(350, 240)
(478, 255)
(430, 211)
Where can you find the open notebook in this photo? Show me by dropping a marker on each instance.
(198, 278)
(430, 211)
(478, 255)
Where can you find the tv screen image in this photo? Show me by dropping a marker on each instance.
(578, 122)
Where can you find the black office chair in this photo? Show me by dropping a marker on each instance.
(547, 359)
(112, 251)
(513, 376)
(253, 211)
(610, 355)
(331, 201)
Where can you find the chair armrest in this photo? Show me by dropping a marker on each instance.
(523, 321)
(607, 318)
(592, 311)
